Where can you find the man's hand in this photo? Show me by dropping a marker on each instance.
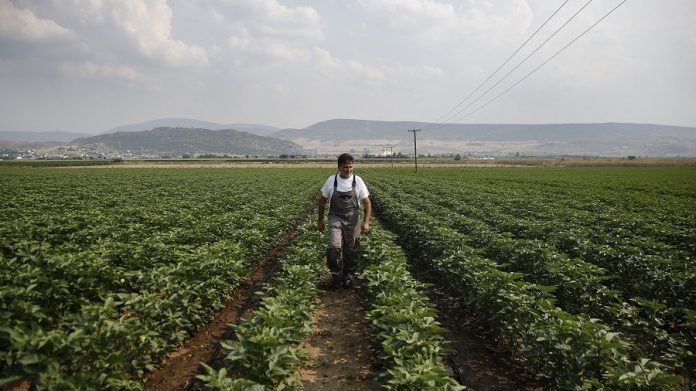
(365, 229)
(322, 207)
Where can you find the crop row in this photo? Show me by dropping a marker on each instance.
(671, 278)
(653, 329)
(560, 349)
(656, 219)
(104, 271)
(266, 352)
(403, 320)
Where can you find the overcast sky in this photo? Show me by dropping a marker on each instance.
(91, 65)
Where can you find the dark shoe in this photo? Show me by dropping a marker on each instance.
(348, 281)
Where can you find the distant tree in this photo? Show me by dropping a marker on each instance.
(457, 157)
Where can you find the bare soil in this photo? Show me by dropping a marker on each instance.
(182, 365)
(339, 353)
(480, 362)
(179, 369)
(482, 365)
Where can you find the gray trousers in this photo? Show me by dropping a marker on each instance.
(344, 241)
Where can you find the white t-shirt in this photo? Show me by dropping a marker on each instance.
(345, 185)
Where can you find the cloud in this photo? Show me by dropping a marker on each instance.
(148, 23)
(436, 21)
(269, 18)
(269, 32)
(111, 30)
(91, 70)
(23, 25)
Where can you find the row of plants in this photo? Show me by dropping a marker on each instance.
(265, 353)
(643, 210)
(653, 329)
(402, 319)
(648, 298)
(105, 271)
(666, 272)
(562, 350)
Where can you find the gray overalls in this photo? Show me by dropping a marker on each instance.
(344, 231)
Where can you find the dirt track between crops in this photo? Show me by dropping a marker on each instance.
(181, 366)
(178, 370)
(482, 365)
(339, 354)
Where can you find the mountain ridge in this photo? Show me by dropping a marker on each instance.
(371, 136)
(261, 130)
(182, 141)
(610, 138)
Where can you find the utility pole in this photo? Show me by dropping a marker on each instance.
(391, 155)
(415, 150)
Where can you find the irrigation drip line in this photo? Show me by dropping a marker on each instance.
(196, 384)
(252, 298)
(455, 369)
(230, 334)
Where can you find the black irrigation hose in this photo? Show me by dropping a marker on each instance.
(252, 297)
(196, 383)
(455, 369)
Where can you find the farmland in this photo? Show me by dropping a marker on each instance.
(584, 277)
(587, 275)
(103, 272)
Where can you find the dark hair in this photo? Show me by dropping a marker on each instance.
(345, 158)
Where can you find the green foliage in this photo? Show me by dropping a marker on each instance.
(512, 274)
(402, 320)
(105, 271)
(266, 349)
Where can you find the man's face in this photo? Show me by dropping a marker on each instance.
(346, 169)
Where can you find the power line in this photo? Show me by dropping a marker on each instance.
(443, 117)
(525, 59)
(544, 63)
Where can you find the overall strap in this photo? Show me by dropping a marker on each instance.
(335, 181)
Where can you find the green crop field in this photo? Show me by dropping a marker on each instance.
(104, 271)
(585, 277)
(588, 275)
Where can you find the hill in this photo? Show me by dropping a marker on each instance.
(606, 139)
(180, 141)
(261, 130)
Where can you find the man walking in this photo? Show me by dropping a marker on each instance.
(344, 192)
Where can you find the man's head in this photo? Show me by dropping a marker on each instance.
(345, 165)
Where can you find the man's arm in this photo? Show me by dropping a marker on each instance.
(367, 204)
(322, 208)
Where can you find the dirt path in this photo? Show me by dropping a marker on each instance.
(340, 356)
(482, 366)
(179, 369)
(182, 365)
